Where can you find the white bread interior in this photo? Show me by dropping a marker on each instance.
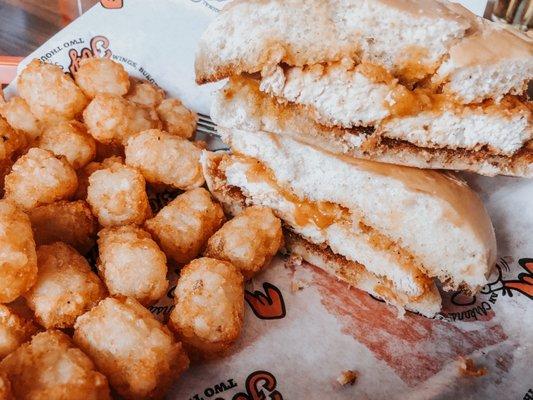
(343, 95)
(491, 62)
(242, 105)
(427, 303)
(413, 39)
(432, 216)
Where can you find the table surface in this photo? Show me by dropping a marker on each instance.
(26, 24)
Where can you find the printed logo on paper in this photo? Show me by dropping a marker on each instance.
(98, 47)
(259, 385)
(476, 307)
(268, 304)
(112, 4)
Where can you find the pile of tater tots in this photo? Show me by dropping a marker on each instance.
(79, 157)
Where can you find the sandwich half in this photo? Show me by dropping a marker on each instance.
(414, 82)
(386, 229)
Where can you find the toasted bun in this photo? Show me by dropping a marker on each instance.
(241, 105)
(357, 275)
(414, 39)
(248, 36)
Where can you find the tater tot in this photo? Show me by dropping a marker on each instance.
(131, 264)
(50, 367)
(112, 119)
(71, 140)
(18, 114)
(117, 196)
(177, 119)
(136, 352)
(248, 241)
(11, 141)
(102, 76)
(165, 159)
(39, 177)
(65, 288)
(14, 330)
(18, 263)
(85, 172)
(209, 306)
(183, 226)
(50, 93)
(145, 94)
(5, 387)
(70, 222)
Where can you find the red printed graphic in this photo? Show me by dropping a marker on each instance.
(256, 384)
(524, 283)
(112, 4)
(415, 347)
(268, 305)
(99, 47)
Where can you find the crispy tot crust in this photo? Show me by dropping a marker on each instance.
(18, 114)
(18, 265)
(11, 142)
(65, 288)
(248, 241)
(38, 177)
(144, 93)
(51, 94)
(70, 222)
(14, 330)
(138, 354)
(183, 227)
(71, 140)
(165, 159)
(50, 367)
(177, 119)
(112, 119)
(117, 196)
(131, 264)
(97, 75)
(209, 308)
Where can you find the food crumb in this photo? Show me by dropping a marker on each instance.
(298, 285)
(347, 377)
(293, 261)
(468, 369)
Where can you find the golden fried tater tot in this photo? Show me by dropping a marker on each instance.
(112, 119)
(177, 119)
(145, 94)
(18, 114)
(87, 171)
(50, 367)
(102, 75)
(70, 222)
(165, 159)
(136, 352)
(38, 177)
(18, 263)
(14, 330)
(11, 142)
(65, 288)
(131, 264)
(209, 306)
(51, 94)
(117, 196)
(71, 140)
(248, 241)
(5, 387)
(183, 226)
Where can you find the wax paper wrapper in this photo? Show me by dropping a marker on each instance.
(302, 327)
